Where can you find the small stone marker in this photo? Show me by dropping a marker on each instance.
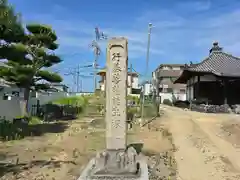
(117, 161)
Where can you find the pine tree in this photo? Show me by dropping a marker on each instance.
(28, 54)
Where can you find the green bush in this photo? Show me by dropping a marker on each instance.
(73, 101)
(134, 98)
(167, 102)
(18, 128)
(10, 130)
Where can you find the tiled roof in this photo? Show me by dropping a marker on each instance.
(220, 64)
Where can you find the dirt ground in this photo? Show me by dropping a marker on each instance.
(60, 156)
(180, 145)
(207, 144)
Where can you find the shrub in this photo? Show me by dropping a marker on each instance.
(167, 102)
(12, 130)
(73, 101)
(134, 98)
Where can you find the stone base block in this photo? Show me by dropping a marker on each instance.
(86, 174)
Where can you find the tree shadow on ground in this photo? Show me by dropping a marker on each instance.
(16, 168)
(15, 131)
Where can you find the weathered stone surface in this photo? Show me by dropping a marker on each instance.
(116, 93)
(116, 162)
(142, 174)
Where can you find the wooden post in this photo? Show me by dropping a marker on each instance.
(225, 82)
(197, 88)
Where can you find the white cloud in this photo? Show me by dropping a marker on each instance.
(174, 35)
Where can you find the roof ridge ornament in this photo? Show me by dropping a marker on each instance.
(215, 48)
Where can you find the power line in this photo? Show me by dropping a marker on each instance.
(76, 73)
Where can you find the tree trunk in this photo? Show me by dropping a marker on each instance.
(26, 98)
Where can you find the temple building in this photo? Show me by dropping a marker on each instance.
(216, 78)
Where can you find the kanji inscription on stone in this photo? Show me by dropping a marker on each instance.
(116, 93)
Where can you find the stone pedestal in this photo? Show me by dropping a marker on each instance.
(116, 165)
(117, 162)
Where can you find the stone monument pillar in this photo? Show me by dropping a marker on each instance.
(116, 94)
(117, 161)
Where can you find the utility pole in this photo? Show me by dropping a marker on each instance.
(146, 71)
(78, 73)
(81, 88)
(97, 51)
(148, 46)
(95, 71)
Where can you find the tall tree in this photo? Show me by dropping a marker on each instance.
(11, 29)
(28, 61)
(28, 54)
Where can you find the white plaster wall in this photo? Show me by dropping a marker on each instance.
(176, 68)
(165, 68)
(129, 90)
(147, 89)
(169, 96)
(154, 75)
(46, 97)
(135, 83)
(129, 80)
(11, 109)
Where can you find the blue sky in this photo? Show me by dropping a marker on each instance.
(184, 30)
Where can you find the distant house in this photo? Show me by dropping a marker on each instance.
(58, 87)
(148, 88)
(10, 91)
(163, 82)
(216, 78)
(132, 80)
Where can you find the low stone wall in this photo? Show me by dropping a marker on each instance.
(225, 108)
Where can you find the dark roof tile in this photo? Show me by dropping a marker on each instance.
(220, 64)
